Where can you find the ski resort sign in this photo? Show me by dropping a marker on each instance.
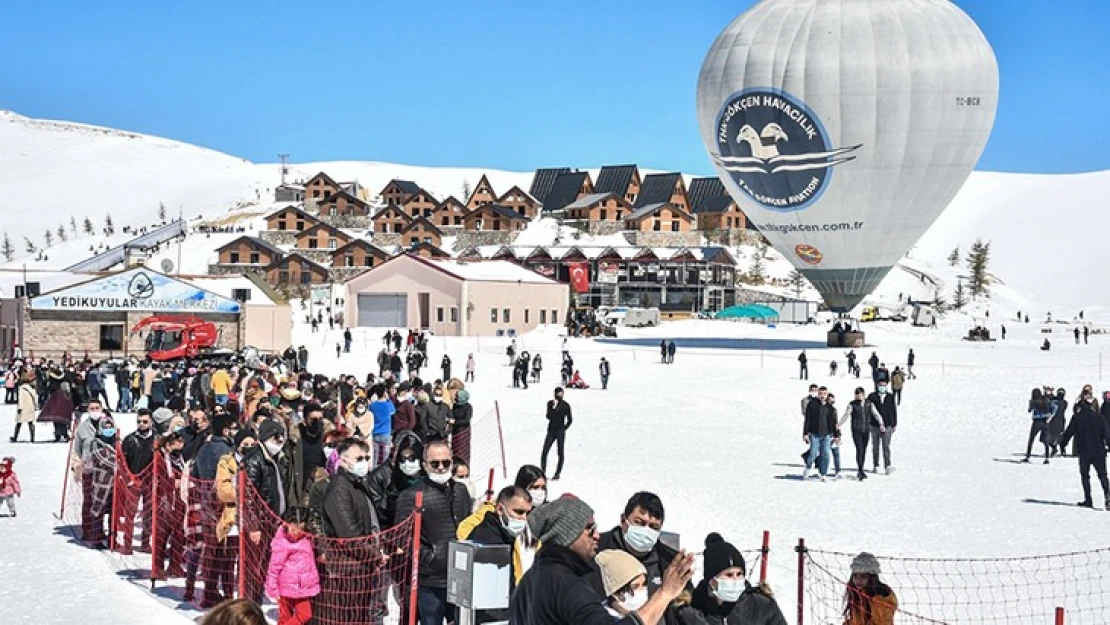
(140, 290)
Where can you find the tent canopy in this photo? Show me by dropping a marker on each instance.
(749, 311)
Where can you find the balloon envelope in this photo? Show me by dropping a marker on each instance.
(844, 127)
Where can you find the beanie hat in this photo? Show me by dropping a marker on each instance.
(269, 429)
(720, 555)
(560, 522)
(462, 396)
(243, 435)
(162, 415)
(618, 569)
(865, 563)
(176, 404)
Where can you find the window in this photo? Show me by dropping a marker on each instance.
(454, 314)
(496, 225)
(332, 244)
(111, 337)
(313, 243)
(254, 258)
(428, 240)
(656, 225)
(306, 277)
(543, 317)
(674, 226)
(555, 316)
(506, 315)
(283, 277)
(526, 311)
(444, 221)
(315, 193)
(300, 224)
(281, 224)
(349, 260)
(233, 258)
(458, 221)
(439, 314)
(493, 315)
(604, 214)
(367, 261)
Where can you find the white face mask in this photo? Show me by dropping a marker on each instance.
(813, 394)
(729, 590)
(641, 539)
(539, 496)
(440, 478)
(410, 467)
(273, 447)
(327, 451)
(437, 398)
(636, 600)
(360, 468)
(513, 526)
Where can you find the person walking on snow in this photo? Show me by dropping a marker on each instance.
(803, 366)
(603, 370)
(1042, 408)
(897, 381)
(884, 420)
(1057, 424)
(858, 413)
(1092, 437)
(663, 351)
(670, 352)
(469, 377)
(537, 368)
(292, 578)
(445, 367)
(820, 426)
(9, 485)
(910, 358)
(347, 340)
(1076, 335)
(874, 362)
(559, 420)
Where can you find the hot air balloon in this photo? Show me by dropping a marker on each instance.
(844, 127)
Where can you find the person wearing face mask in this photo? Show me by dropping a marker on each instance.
(461, 414)
(386, 482)
(555, 590)
(500, 522)
(724, 597)
(1092, 438)
(382, 409)
(859, 413)
(348, 513)
(884, 413)
(169, 538)
(99, 472)
(266, 467)
(221, 542)
(360, 421)
(87, 432)
(432, 416)
(404, 417)
(559, 420)
(138, 453)
(624, 581)
(196, 432)
(446, 504)
(312, 430)
(530, 478)
(638, 536)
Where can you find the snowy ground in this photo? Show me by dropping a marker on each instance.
(717, 436)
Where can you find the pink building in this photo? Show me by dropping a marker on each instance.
(455, 298)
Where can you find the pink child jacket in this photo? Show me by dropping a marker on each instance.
(292, 573)
(10, 486)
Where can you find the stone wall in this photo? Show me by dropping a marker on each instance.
(596, 228)
(235, 270)
(468, 239)
(664, 239)
(342, 274)
(320, 257)
(385, 239)
(281, 238)
(354, 222)
(730, 237)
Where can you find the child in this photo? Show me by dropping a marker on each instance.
(292, 578)
(9, 485)
(832, 368)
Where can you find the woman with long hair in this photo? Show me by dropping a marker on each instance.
(868, 601)
(1042, 409)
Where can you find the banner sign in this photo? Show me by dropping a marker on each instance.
(580, 277)
(137, 289)
(608, 272)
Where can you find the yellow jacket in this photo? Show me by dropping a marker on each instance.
(469, 523)
(221, 382)
(882, 612)
(226, 472)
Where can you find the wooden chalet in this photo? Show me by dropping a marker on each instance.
(343, 204)
(482, 194)
(662, 217)
(518, 200)
(296, 269)
(420, 204)
(494, 218)
(322, 237)
(321, 186)
(713, 208)
(567, 188)
(391, 220)
(359, 253)
(421, 230)
(663, 189)
(427, 250)
(247, 250)
(622, 180)
(397, 191)
(543, 180)
(599, 207)
(450, 212)
(290, 219)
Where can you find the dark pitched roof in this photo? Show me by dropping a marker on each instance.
(253, 241)
(514, 189)
(543, 180)
(332, 230)
(645, 211)
(361, 243)
(406, 186)
(716, 204)
(423, 222)
(614, 179)
(657, 189)
(703, 189)
(413, 249)
(565, 190)
(296, 209)
(502, 211)
(328, 179)
(450, 199)
(350, 198)
(391, 208)
(284, 261)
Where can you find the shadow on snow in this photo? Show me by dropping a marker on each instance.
(721, 343)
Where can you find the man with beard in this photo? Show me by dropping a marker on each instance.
(138, 451)
(196, 433)
(312, 442)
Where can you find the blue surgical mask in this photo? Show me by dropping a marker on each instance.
(108, 432)
(882, 389)
(729, 590)
(640, 538)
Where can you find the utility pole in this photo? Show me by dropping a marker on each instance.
(284, 158)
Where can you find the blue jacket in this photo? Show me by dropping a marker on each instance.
(383, 417)
(1042, 416)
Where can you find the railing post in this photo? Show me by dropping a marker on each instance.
(801, 549)
(155, 544)
(766, 551)
(65, 480)
(414, 578)
(501, 440)
(1059, 616)
(240, 487)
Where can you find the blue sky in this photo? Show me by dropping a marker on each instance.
(486, 83)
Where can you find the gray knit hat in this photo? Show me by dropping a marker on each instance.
(865, 563)
(560, 522)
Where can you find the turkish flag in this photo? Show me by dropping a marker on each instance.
(580, 277)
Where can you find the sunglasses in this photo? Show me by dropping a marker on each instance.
(362, 459)
(143, 422)
(439, 464)
(591, 528)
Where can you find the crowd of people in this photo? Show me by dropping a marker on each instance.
(1088, 433)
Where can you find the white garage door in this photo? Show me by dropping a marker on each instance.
(383, 310)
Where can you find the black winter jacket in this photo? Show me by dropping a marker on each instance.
(431, 419)
(193, 441)
(886, 407)
(1091, 434)
(267, 475)
(208, 458)
(384, 485)
(753, 608)
(655, 563)
(138, 451)
(820, 417)
(559, 417)
(861, 416)
(555, 591)
(444, 508)
(462, 414)
(348, 512)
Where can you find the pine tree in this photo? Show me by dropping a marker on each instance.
(7, 249)
(466, 190)
(758, 272)
(49, 238)
(73, 225)
(29, 245)
(109, 227)
(161, 211)
(954, 257)
(88, 226)
(977, 260)
(62, 236)
(960, 297)
(796, 280)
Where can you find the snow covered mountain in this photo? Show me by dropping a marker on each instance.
(1042, 227)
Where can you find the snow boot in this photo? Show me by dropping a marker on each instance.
(1085, 504)
(805, 474)
(861, 476)
(1046, 461)
(1025, 460)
